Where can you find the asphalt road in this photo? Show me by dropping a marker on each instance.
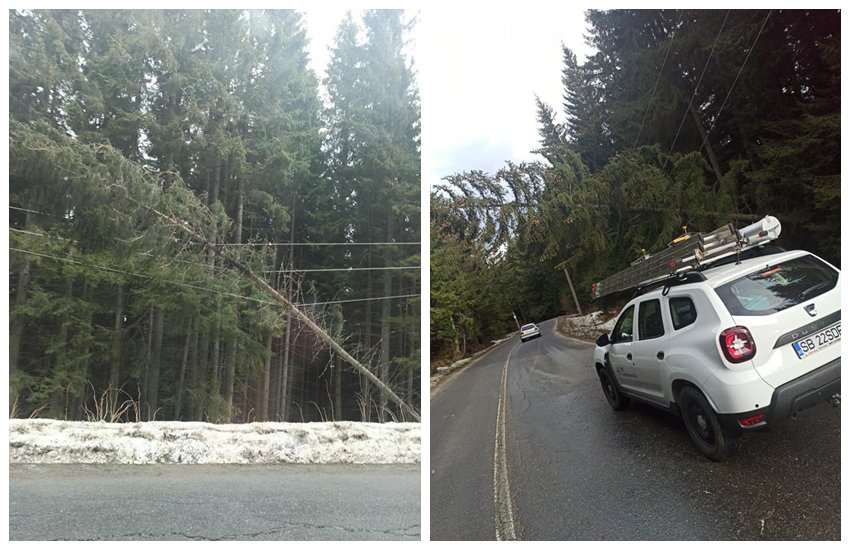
(214, 502)
(577, 470)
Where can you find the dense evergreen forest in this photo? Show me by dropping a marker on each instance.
(690, 118)
(157, 159)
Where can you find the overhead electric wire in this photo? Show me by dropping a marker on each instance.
(324, 244)
(204, 265)
(26, 210)
(342, 269)
(358, 300)
(196, 287)
(652, 96)
(716, 118)
(688, 108)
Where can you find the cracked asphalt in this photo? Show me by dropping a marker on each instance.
(581, 471)
(214, 502)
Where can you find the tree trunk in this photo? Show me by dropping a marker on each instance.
(410, 387)
(17, 321)
(58, 405)
(192, 384)
(156, 358)
(385, 322)
(277, 402)
(338, 412)
(240, 207)
(81, 374)
(115, 365)
(200, 385)
(708, 148)
(229, 373)
(183, 365)
(284, 373)
(266, 379)
(144, 374)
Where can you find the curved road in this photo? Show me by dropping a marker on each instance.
(577, 470)
(214, 502)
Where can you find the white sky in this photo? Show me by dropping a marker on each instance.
(481, 71)
(478, 71)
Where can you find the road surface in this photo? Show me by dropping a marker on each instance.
(568, 467)
(214, 502)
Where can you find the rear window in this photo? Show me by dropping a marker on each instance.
(528, 327)
(778, 287)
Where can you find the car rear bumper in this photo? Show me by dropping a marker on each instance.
(789, 399)
(804, 392)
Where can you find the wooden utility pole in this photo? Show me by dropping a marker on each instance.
(573, 290)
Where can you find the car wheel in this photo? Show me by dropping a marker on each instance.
(615, 397)
(712, 439)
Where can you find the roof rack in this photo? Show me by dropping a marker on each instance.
(690, 252)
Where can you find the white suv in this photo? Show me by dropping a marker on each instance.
(735, 347)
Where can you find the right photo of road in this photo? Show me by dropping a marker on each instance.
(635, 285)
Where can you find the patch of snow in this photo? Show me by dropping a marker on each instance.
(443, 372)
(589, 326)
(44, 441)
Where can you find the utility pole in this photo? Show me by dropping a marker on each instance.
(515, 320)
(573, 290)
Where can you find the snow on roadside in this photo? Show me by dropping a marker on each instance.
(60, 442)
(587, 327)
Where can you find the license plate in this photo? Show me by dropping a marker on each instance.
(818, 341)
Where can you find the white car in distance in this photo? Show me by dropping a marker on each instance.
(529, 331)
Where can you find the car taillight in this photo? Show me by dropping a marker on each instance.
(751, 420)
(737, 344)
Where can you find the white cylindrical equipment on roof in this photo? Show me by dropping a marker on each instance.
(764, 230)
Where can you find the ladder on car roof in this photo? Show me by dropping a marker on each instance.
(687, 253)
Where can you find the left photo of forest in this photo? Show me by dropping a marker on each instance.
(203, 229)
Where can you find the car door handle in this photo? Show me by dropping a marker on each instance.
(660, 355)
(629, 356)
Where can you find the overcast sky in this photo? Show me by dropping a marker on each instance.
(481, 71)
(478, 71)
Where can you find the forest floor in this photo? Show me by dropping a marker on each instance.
(41, 441)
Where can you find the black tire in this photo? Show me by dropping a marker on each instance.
(712, 439)
(615, 397)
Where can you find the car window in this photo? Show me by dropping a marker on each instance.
(624, 328)
(778, 287)
(527, 327)
(650, 324)
(682, 311)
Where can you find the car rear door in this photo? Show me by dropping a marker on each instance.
(649, 348)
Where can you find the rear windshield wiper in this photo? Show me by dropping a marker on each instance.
(814, 289)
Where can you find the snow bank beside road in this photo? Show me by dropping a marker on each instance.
(587, 327)
(59, 442)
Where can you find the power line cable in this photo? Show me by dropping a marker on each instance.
(652, 96)
(716, 118)
(688, 108)
(220, 268)
(196, 287)
(411, 243)
(342, 269)
(358, 300)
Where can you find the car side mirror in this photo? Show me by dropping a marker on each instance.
(603, 340)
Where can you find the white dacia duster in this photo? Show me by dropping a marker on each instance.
(735, 347)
